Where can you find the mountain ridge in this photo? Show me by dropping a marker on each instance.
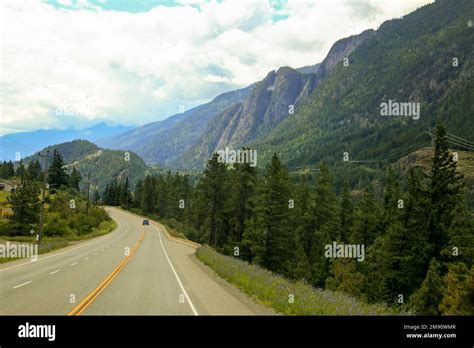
(105, 165)
(27, 143)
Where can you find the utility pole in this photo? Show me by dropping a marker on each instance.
(88, 191)
(43, 196)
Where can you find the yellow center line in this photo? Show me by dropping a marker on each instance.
(82, 306)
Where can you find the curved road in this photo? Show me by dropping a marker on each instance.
(134, 270)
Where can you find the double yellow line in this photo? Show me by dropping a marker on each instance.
(82, 306)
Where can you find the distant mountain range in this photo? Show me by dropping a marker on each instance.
(320, 111)
(103, 164)
(162, 142)
(187, 140)
(27, 143)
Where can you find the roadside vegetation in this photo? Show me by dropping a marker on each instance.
(285, 296)
(68, 216)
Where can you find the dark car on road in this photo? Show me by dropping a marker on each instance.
(146, 222)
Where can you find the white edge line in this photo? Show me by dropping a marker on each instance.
(56, 271)
(63, 252)
(20, 285)
(177, 278)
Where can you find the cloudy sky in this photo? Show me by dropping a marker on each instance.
(75, 63)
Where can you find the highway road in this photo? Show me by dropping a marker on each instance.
(134, 270)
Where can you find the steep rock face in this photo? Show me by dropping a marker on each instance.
(267, 106)
(275, 97)
(272, 100)
(340, 50)
(163, 141)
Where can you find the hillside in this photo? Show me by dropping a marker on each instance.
(103, 164)
(163, 141)
(423, 159)
(261, 111)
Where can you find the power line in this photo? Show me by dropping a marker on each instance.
(401, 152)
(464, 140)
(460, 145)
(18, 143)
(453, 142)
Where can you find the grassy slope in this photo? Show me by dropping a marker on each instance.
(274, 290)
(423, 158)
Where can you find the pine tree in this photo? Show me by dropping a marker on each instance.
(107, 194)
(303, 215)
(20, 170)
(124, 194)
(242, 199)
(446, 193)
(461, 234)
(393, 201)
(75, 178)
(366, 219)
(170, 193)
(24, 202)
(57, 175)
(34, 170)
(138, 193)
(8, 170)
(426, 299)
(280, 238)
(187, 192)
(301, 218)
(149, 195)
(325, 225)
(347, 212)
(415, 222)
(253, 240)
(213, 190)
(397, 262)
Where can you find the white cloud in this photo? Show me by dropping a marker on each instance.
(140, 67)
(65, 2)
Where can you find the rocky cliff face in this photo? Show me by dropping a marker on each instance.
(271, 101)
(340, 50)
(232, 119)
